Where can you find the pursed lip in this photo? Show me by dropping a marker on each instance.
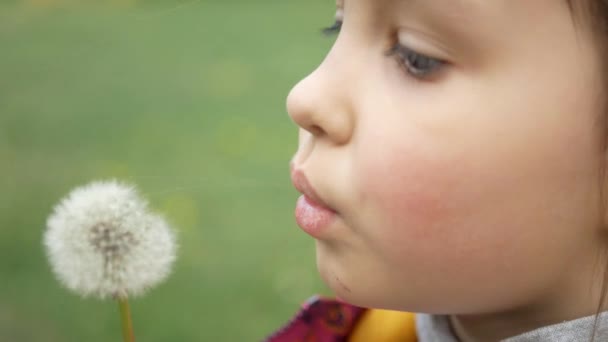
(301, 183)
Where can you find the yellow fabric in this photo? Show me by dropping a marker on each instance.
(385, 326)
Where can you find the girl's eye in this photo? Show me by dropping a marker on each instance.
(333, 29)
(418, 65)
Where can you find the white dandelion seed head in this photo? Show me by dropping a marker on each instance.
(102, 241)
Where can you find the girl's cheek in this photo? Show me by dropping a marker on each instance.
(412, 193)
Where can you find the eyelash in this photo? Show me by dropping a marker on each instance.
(333, 29)
(418, 65)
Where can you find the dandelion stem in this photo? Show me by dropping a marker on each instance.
(125, 318)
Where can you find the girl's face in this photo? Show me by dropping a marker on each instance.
(458, 143)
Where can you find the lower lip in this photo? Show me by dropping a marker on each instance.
(313, 218)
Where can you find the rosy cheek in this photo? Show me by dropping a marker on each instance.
(408, 190)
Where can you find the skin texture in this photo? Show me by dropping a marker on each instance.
(473, 191)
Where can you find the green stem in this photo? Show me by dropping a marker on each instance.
(125, 318)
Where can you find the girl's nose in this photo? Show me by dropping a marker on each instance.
(319, 104)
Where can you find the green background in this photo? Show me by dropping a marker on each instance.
(186, 100)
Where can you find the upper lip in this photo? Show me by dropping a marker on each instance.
(301, 183)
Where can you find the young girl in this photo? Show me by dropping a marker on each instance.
(452, 163)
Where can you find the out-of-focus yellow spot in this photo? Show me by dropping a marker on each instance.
(226, 79)
(182, 211)
(236, 137)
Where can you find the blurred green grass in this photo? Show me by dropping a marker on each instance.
(185, 100)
